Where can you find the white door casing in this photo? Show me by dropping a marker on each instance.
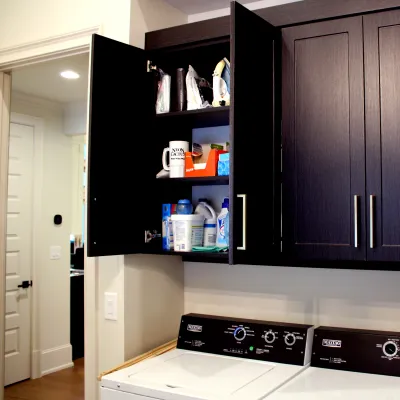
(5, 96)
(19, 253)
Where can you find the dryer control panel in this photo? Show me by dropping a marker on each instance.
(373, 352)
(245, 338)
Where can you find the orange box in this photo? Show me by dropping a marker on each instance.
(211, 166)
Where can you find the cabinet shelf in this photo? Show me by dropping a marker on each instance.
(198, 181)
(203, 118)
(194, 256)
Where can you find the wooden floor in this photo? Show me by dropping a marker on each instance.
(67, 384)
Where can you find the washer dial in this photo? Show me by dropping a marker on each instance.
(240, 333)
(270, 337)
(290, 339)
(390, 349)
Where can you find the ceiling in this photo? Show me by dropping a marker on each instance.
(198, 6)
(44, 80)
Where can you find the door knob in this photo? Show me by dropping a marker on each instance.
(25, 284)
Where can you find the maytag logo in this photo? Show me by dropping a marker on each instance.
(194, 328)
(332, 343)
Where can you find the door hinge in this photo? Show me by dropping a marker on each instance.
(26, 284)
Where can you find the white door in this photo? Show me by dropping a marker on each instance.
(19, 254)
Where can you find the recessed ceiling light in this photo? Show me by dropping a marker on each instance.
(69, 74)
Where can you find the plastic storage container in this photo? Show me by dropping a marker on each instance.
(188, 231)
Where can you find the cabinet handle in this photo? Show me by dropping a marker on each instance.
(244, 197)
(371, 221)
(356, 221)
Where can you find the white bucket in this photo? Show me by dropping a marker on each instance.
(188, 231)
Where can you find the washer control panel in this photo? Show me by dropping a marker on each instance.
(374, 352)
(258, 340)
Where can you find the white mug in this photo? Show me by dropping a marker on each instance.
(176, 167)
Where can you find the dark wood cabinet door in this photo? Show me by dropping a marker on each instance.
(382, 116)
(120, 136)
(323, 141)
(254, 202)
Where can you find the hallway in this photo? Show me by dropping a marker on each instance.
(67, 384)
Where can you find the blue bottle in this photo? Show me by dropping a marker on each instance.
(223, 225)
(184, 207)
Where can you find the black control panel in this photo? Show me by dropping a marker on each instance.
(373, 352)
(245, 338)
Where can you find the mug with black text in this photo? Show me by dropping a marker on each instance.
(176, 165)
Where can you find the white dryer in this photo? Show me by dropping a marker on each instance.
(348, 364)
(217, 358)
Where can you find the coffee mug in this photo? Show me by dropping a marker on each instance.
(176, 167)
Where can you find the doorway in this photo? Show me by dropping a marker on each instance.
(45, 238)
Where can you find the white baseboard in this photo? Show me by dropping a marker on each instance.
(56, 359)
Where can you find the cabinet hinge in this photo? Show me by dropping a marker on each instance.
(150, 66)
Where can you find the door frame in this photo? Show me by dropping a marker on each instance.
(38, 139)
(12, 58)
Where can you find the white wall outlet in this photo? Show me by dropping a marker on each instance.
(111, 306)
(55, 252)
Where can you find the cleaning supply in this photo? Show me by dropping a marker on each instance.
(223, 164)
(188, 231)
(167, 233)
(223, 225)
(210, 223)
(184, 207)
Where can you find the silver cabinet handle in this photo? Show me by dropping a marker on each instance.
(244, 197)
(371, 221)
(356, 221)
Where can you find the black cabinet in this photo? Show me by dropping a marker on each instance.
(382, 115)
(126, 137)
(323, 141)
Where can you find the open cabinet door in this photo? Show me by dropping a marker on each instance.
(120, 134)
(5, 95)
(255, 143)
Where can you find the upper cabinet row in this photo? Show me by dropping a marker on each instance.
(322, 95)
(341, 139)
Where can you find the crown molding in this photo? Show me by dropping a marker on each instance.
(53, 47)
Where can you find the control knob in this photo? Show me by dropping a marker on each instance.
(390, 349)
(270, 337)
(239, 334)
(290, 339)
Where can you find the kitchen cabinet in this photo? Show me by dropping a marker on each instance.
(382, 116)
(126, 137)
(323, 141)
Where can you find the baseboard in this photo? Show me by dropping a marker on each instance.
(56, 359)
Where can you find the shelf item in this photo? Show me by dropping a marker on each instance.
(211, 166)
(203, 118)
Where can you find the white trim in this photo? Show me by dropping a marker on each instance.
(56, 359)
(46, 49)
(5, 94)
(38, 138)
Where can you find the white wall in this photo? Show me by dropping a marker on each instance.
(75, 118)
(77, 189)
(226, 11)
(54, 281)
(344, 298)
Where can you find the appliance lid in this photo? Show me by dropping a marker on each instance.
(202, 373)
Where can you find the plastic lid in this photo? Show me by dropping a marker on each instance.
(225, 204)
(187, 217)
(185, 201)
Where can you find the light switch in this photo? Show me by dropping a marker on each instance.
(110, 306)
(55, 252)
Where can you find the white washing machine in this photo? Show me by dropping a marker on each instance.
(348, 364)
(217, 358)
